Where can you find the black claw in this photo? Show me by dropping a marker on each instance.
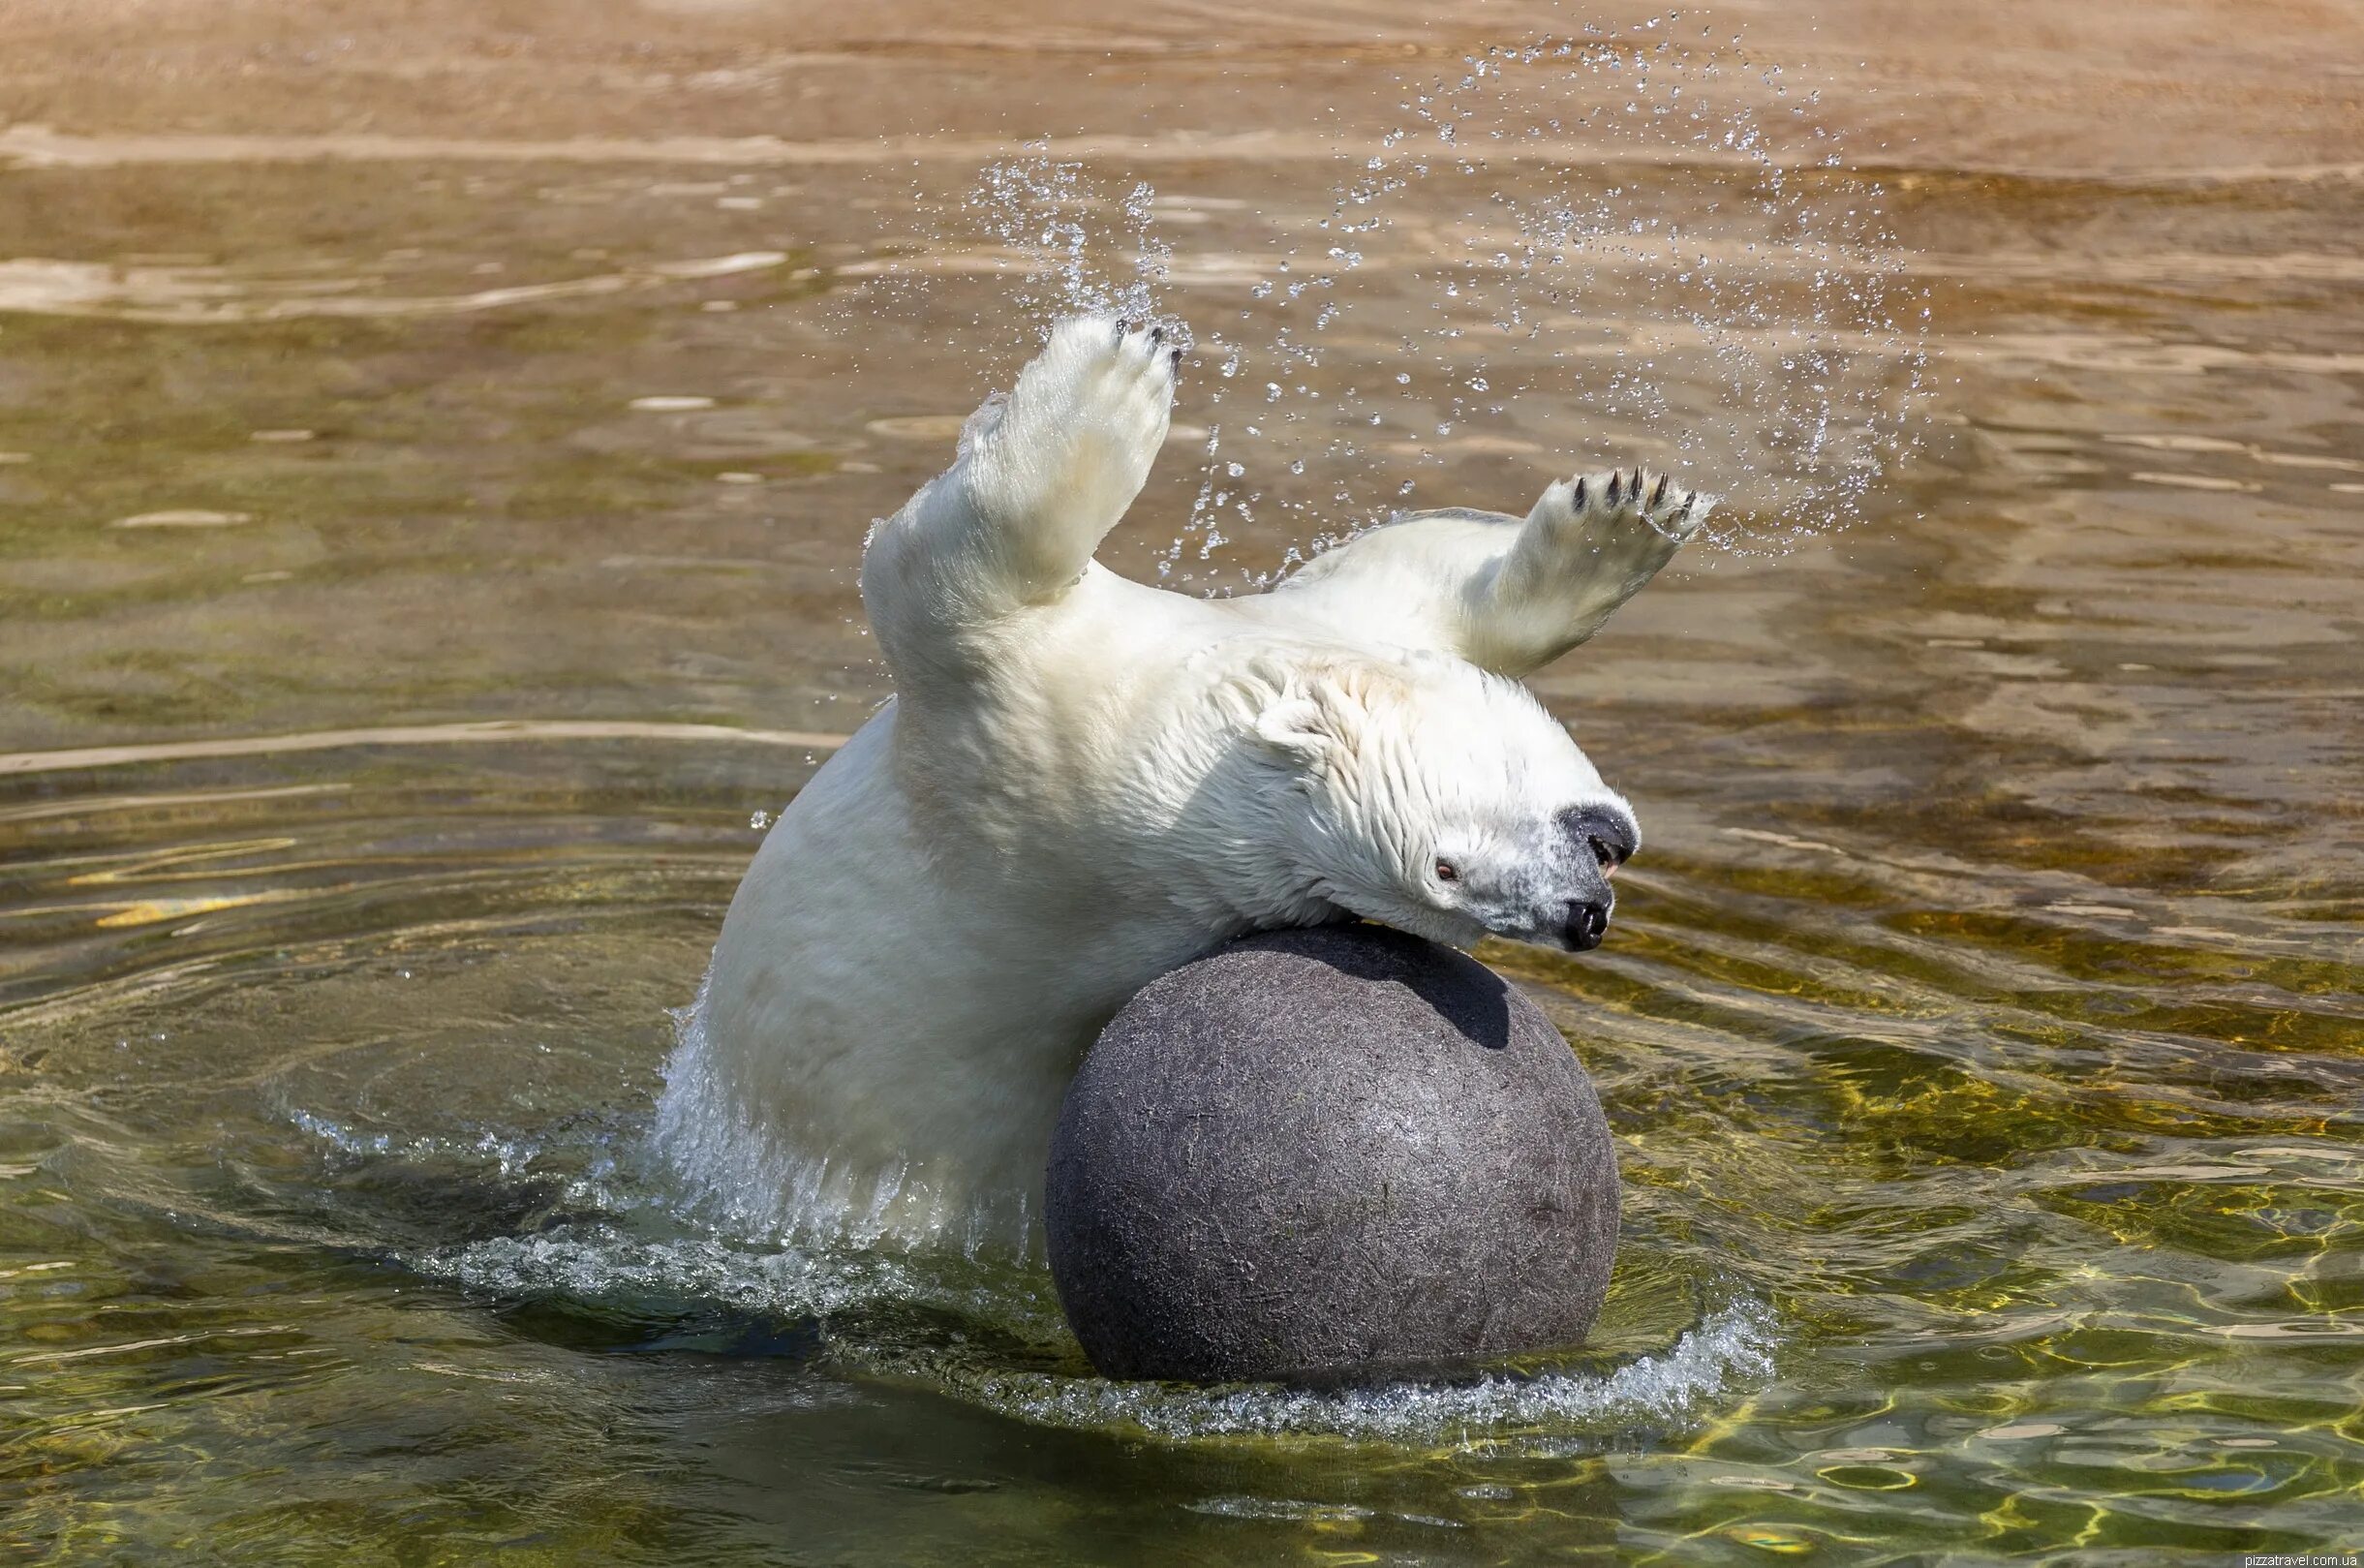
(1174, 357)
(1615, 479)
(1659, 494)
(1158, 335)
(1580, 493)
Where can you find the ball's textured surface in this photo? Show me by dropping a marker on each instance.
(1328, 1153)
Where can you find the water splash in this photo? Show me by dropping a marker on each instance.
(737, 1172)
(608, 1231)
(1729, 1349)
(865, 1299)
(1105, 256)
(616, 1265)
(1748, 328)
(1572, 252)
(1061, 239)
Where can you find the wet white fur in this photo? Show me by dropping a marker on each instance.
(1084, 782)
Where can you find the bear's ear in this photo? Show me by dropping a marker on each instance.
(1292, 725)
(1313, 722)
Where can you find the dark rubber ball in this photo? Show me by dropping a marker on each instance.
(1331, 1154)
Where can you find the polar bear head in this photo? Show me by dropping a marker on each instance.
(1431, 796)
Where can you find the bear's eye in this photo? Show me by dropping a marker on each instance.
(1606, 854)
(1447, 872)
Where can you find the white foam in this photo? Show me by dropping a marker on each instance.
(1729, 1348)
(603, 1264)
(722, 1217)
(606, 1264)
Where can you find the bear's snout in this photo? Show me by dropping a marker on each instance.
(1602, 833)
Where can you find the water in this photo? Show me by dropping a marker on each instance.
(416, 589)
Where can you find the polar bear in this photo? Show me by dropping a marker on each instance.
(1083, 781)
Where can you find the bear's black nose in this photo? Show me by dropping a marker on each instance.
(1587, 924)
(1601, 834)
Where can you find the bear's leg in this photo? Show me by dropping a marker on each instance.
(1507, 593)
(1041, 477)
(1586, 547)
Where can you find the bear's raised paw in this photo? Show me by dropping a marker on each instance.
(1621, 511)
(1051, 469)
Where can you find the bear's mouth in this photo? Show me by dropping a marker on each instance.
(1582, 927)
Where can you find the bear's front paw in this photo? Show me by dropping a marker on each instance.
(1085, 421)
(1591, 542)
(1104, 385)
(1630, 511)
